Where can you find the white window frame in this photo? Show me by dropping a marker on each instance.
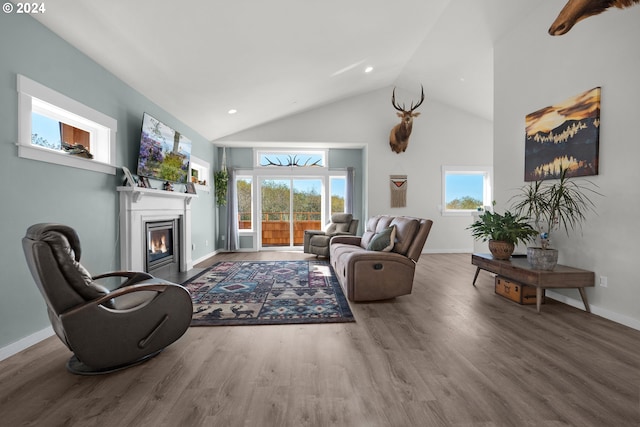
(258, 152)
(330, 176)
(35, 97)
(257, 174)
(487, 196)
(202, 167)
(250, 176)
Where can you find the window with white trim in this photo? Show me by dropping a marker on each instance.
(244, 189)
(291, 159)
(338, 192)
(466, 189)
(57, 129)
(302, 178)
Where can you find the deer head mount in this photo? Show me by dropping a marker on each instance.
(577, 10)
(399, 137)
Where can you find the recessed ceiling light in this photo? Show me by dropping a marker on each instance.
(232, 111)
(368, 69)
(462, 79)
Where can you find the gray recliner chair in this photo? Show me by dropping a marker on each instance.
(317, 241)
(106, 329)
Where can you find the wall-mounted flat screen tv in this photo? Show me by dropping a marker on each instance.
(164, 152)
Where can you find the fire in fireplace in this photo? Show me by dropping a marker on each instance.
(162, 244)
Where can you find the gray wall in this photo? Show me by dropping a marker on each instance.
(35, 192)
(442, 135)
(534, 70)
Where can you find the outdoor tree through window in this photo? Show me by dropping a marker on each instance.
(245, 220)
(465, 189)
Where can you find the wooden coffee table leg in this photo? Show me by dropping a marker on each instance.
(538, 298)
(476, 276)
(583, 294)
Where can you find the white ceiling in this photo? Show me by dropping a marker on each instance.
(199, 58)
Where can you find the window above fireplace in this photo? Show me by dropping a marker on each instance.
(57, 129)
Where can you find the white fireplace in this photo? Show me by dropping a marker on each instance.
(139, 206)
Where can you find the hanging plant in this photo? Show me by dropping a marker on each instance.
(221, 181)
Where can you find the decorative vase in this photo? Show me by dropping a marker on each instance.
(500, 249)
(542, 259)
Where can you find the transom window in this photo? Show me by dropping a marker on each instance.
(291, 159)
(56, 129)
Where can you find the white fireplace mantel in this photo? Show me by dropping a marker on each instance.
(140, 205)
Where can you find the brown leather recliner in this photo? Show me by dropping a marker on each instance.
(368, 271)
(106, 329)
(317, 241)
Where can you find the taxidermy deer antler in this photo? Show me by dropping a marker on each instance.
(399, 137)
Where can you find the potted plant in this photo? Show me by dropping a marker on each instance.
(553, 205)
(502, 231)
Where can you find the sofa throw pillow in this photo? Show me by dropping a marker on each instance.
(384, 240)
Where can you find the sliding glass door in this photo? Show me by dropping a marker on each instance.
(288, 206)
(307, 207)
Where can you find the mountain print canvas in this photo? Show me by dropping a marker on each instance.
(563, 136)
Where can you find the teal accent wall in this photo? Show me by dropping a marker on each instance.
(34, 191)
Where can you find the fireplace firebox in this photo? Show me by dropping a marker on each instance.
(162, 244)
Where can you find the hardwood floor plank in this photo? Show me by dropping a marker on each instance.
(450, 354)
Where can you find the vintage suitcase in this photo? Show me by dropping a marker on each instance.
(522, 294)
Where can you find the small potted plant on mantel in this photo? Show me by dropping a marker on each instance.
(561, 204)
(502, 231)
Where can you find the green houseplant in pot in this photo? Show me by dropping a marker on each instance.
(553, 205)
(502, 231)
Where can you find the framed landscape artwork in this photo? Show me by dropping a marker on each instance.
(564, 136)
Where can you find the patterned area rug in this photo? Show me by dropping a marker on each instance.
(267, 293)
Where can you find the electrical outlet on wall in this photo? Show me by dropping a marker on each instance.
(604, 281)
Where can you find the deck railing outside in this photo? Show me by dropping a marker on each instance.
(275, 226)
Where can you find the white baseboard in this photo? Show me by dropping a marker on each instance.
(610, 315)
(448, 251)
(206, 257)
(25, 343)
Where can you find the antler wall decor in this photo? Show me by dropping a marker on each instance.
(399, 137)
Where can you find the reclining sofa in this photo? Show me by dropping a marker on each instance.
(380, 264)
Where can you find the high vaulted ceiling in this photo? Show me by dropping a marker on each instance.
(198, 59)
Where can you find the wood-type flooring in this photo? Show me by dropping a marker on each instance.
(447, 355)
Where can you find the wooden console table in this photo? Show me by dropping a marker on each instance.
(518, 270)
